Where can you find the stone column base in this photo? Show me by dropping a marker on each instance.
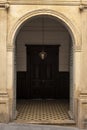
(82, 111)
(4, 108)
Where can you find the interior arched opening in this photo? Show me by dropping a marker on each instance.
(44, 66)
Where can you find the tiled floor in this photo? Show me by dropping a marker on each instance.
(43, 111)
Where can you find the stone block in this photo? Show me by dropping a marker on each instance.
(4, 108)
(82, 111)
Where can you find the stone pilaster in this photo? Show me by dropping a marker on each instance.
(3, 31)
(83, 81)
(82, 99)
(11, 81)
(4, 100)
(76, 81)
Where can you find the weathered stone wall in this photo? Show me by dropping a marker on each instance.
(13, 13)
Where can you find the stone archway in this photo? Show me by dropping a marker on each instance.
(76, 46)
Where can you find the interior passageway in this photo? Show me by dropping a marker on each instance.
(44, 83)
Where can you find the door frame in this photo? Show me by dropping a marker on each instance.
(11, 53)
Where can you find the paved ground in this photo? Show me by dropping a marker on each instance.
(14, 126)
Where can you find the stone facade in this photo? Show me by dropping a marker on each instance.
(73, 14)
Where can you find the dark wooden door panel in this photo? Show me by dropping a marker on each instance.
(42, 73)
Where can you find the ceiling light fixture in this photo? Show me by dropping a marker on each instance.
(43, 54)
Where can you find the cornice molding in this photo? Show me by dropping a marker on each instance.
(45, 2)
(10, 48)
(78, 48)
(5, 5)
(82, 7)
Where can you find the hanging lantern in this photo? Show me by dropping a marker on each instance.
(43, 54)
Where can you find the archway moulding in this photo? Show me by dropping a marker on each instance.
(74, 32)
(76, 36)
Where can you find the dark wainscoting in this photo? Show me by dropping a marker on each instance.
(62, 89)
(21, 88)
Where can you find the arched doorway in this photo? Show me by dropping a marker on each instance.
(32, 40)
(51, 77)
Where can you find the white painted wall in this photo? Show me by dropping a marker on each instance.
(54, 33)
